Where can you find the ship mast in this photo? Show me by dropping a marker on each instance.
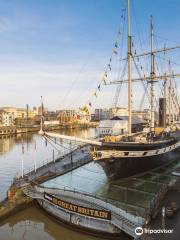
(41, 124)
(169, 95)
(129, 73)
(152, 75)
(152, 78)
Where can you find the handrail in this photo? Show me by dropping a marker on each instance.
(119, 218)
(58, 157)
(106, 200)
(101, 202)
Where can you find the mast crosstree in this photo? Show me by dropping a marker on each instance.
(150, 79)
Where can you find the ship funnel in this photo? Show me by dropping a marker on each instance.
(162, 112)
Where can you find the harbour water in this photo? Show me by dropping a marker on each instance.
(29, 149)
(31, 223)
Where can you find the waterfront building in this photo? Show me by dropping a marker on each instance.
(144, 115)
(31, 114)
(50, 116)
(119, 125)
(6, 119)
(11, 110)
(70, 116)
(118, 111)
(107, 114)
(16, 112)
(82, 118)
(112, 127)
(21, 114)
(51, 122)
(35, 111)
(65, 116)
(38, 110)
(102, 114)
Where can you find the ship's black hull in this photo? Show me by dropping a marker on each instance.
(122, 167)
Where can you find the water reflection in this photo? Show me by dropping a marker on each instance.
(35, 150)
(7, 142)
(33, 223)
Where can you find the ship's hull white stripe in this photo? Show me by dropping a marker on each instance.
(147, 153)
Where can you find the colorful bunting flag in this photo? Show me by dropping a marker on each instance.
(85, 109)
(115, 51)
(104, 77)
(95, 94)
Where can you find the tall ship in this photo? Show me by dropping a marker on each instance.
(131, 153)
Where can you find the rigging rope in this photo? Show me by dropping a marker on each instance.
(120, 75)
(118, 90)
(140, 77)
(108, 69)
(51, 143)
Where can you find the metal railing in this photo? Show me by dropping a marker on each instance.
(120, 218)
(48, 161)
(97, 200)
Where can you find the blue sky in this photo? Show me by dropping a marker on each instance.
(59, 48)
